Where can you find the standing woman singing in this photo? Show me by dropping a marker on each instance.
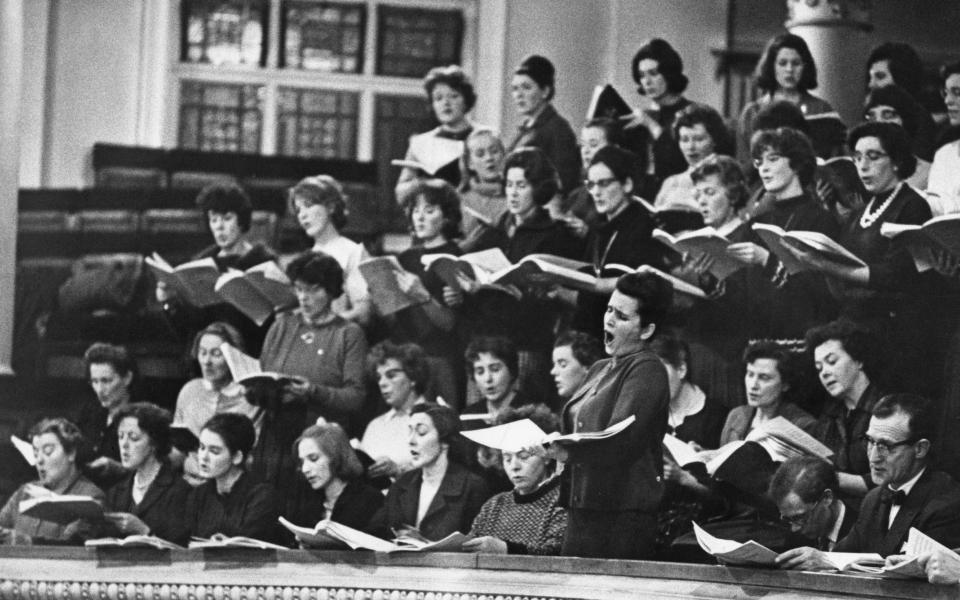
(615, 485)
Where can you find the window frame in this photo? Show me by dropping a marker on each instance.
(271, 77)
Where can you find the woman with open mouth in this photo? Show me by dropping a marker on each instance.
(150, 500)
(56, 447)
(439, 496)
(616, 484)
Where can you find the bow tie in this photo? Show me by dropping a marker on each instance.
(892, 498)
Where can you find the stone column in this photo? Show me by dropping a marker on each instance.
(837, 32)
(11, 83)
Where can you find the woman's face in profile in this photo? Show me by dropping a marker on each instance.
(621, 325)
(213, 366)
(54, 464)
(109, 386)
(837, 370)
(425, 446)
(567, 371)
(486, 157)
(313, 218)
(136, 448)
(764, 385)
(314, 464)
(714, 203)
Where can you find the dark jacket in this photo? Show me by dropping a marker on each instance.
(841, 431)
(162, 507)
(250, 509)
(623, 472)
(356, 506)
(932, 506)
(552, 133)
(457, 502)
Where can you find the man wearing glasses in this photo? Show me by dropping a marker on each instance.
(805, 491)
(908, 493)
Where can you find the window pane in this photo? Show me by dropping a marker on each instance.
(223, 32)
(323, 36)
(412, 41)
(321, 123)
(223, 117)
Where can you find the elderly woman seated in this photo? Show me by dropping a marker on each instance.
(528, 519)
(56, 445)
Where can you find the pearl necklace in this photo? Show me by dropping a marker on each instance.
(868, 218)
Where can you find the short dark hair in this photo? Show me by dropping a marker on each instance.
(118, 357)
(538, 171)
(70, 436)
(332, 441)
(731, 177)
(439, 193)
(672, 350)
(610, 128)
(786, 359)
(899, 100)
(226, 198)
(622, 163)
(920, 410)
(317, 268)
(790, 143)
(653, 294)
(669, 64)
(781, 113)
(904, 62)
(541, 71)
(235, 430)
(223, 330)
(766, 76)
(454, 77)
(949, 69)
(412, 359)
(497, 346)
(894, 141)
(806, 476)
(585, 348)
(152, 420)
(324, 190)
(701, 114)
(857, 341)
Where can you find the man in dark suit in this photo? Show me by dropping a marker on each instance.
(908, 493)
(805, 490)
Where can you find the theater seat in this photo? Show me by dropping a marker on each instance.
(108, 231)
(174, 233)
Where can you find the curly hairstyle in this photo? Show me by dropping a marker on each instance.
(904, 64)
(785, 358)
(669, 64)
(857, 341)
(454, 77)
(537, 170)
(496, 346)
(223, 330)
(731, 177)
(412, 359)
(118, 357)
(70, 436)
(323, 190)
(226, 198)
(765, 73)
(899, 100)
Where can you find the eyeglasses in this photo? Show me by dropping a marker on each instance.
(953, 92)
(869, 155)
(883, 448)
(600, 183)
(800, 519)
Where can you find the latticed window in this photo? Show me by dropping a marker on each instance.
(304, 77)
(223, 32)
(221, 117)
(413, 40)
(325, 36)
(317, 123)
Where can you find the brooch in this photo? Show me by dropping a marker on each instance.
(307, 337)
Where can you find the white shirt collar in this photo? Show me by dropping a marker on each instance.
(909, 484)
(690, 401)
